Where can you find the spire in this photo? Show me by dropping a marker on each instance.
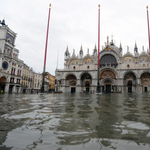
(95, 47)
(67, 49)
(81, 48)
(135, 46)
(120, 45)
(135, 49)
(67, 54)
(95, 51)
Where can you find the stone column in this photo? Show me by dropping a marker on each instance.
(78, 82)
(14, 89)
(6, 88)
(78, 89)
(19, 89)
(138, 85)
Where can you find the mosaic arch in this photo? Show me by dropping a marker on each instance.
(74, 62)
(88, 61)
(108, 81)
(2, 79)
(145, 78)
(108, 59)
(71, 80)
(143, 59)
(107, 74)
(130, 76)
(128, 59)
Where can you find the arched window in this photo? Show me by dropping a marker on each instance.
(108, 59)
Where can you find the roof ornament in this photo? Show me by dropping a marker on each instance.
(81, 52)
(147, 50)
(2, 22)
(67, 49)
(67, 54)
(120, 45)
(87, 50)
(127, 48)
(143, 48)
(73, 54)
(95, 51)
(95, 47)
(120, 49)
(81, 48)
(74, 51)
(135, 49)
(107, 40)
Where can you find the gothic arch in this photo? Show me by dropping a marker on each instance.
(110, 53)
(107, 79)
(70, 74)
(85, 78)
(145, 71)
(108, 59)
(3, 79)
(85, 73)
(108, 69)
(130, 72)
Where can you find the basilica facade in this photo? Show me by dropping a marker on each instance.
(128, 73)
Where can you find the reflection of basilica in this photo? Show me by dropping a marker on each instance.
(123, 73)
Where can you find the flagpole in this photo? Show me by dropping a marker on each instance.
(42, 88)
(98, 83)
(148, 30)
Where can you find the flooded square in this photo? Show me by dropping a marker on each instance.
(74, 121)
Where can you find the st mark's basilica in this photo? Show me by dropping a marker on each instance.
(128, 73)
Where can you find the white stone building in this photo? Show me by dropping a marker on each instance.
(10, 66)
(128, 73)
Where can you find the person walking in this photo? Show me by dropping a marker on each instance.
(112, 91)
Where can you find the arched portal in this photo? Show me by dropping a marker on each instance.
(108, 85)
(86, 81)
(2, 83)
(71, 82)
(108, 80)
(130, 82)
(145, 82)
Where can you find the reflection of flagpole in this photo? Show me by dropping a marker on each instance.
(42, 88)
(98, 83)
(148, 30)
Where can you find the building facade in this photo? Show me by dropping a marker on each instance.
(51, 79)
(27, 79)
(128, 73)
(37, 83)
(10, 66)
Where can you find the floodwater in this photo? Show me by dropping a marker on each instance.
(75, 121)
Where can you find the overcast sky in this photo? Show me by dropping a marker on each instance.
(73, 23)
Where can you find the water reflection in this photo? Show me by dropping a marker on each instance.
(70, 121)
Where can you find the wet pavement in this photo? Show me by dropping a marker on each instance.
(74, 121)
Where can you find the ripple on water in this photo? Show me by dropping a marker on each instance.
(80, 122)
